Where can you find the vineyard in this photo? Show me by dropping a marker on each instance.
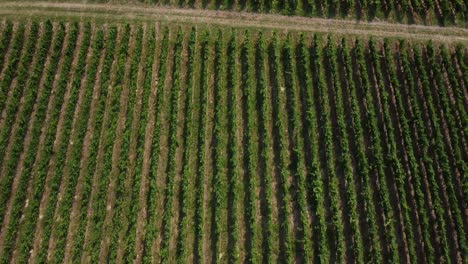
(165, 143)
(427, 12)
(411, 11)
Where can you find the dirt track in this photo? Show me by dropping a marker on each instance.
(136, 12)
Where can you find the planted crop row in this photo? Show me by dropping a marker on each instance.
(316, 185)
(414, 168)
(391, 157)
(260, 146)
(109, 137)
(423, 144)
(445, 178)
(18, 140)
(171, 161)
(233, 151)
(12, 106)
(377, 166)
(201, 152)
(30, 155)
(281, 160)
(98, 124)
(265, 118)
(297, 159)
(56, 175)
(411, 11)
(152, 190)
(72, 166)
(5, 41)
(122, 206)
(220, 120)
(332, 181)
(345, 159)
(10, 71)
(249, 96)
(41, 168)
(374, 252)
(188, 145)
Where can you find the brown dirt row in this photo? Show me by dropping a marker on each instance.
(39, 225)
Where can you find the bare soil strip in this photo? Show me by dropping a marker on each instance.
(141, 12)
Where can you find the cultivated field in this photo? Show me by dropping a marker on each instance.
(169, 143)
(440, 12)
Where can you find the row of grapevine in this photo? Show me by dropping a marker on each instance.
(297, 155)
(128, 249)
(181, 144)
(87, 170)
(219, 179)
(56, 170)
(27, 234)
(122, 205)
(201, 149)
(35, 132)
(391, 157)
(171, 161)
(265, 118)
(281, 160)
(377, 165)
(325, 132)
(345, 158)
(73, 161)
(251, 154)
(23, 118)
(233, 151)
(5, 41)
(151, 200)
(103, 169)
(11, 108)
(423, 144)
(188, 145)
(414, 168)
(411, 11)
